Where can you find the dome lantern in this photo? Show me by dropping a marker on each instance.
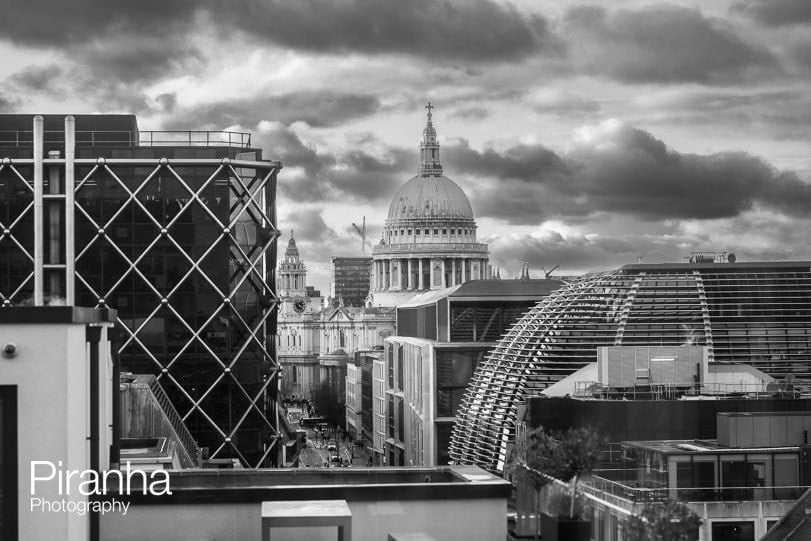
(429, 149)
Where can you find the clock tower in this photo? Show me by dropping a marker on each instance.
(292, 272)
(297, 326)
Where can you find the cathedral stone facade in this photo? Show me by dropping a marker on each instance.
(314, 342)
(429, 239)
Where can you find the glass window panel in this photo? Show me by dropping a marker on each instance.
(733, 531)
(733, 479)
(786, 474)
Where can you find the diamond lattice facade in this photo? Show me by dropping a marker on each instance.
(174, 230)
(757, 314)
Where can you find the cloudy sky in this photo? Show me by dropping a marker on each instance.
(587, 134)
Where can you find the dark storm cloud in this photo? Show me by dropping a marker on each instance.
(758, 237)
(568, 106)
(48, 23)
(711, 101)
(775, 114)
(314, 108)
(280, 143)
(775, 12)
(471, 30)
(352, 176)
(114, 73)
(136, 58)
(166, 102)
(308, 225)
(618, 169)
(630, 172)
(7, 103)
(525, 162)
(479, 30)
(801, 55)
(661, 44)
(366, 177)
(471, 113)
(36, 78)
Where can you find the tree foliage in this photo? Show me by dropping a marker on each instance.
(565, 455)
(671, 521)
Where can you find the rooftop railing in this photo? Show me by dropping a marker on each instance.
(719, 390)
(195, 138)
(184, 436)
(652, 491)
(128, 138)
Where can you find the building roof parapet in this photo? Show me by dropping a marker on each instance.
(355, 484)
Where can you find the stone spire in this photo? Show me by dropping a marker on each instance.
(291, 255)
(429, 149)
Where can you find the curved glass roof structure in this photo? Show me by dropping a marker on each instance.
(753, 313)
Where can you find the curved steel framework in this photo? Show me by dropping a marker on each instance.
(757, 314)
(183, 250)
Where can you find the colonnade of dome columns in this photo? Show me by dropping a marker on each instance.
(421, 273)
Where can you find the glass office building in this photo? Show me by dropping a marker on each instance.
(351, 278)
(176, 231)
(757, 314)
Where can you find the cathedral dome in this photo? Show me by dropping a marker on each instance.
(429, 238)
(429, 197)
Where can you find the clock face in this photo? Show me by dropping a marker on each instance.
(299, 305)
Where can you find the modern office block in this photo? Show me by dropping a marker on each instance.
(350, 279)
(174, 230)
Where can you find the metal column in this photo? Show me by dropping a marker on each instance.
(70, 181)
(39, 234)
